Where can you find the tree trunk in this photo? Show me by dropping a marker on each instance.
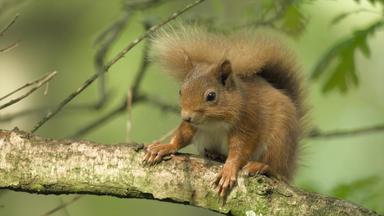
(47, 166)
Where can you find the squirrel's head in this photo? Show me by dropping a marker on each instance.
(209, 93)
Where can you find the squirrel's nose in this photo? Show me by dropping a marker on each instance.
(187, 119)
(186, 116)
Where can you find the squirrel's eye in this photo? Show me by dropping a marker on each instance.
(211, 96)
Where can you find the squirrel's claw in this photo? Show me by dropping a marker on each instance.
(155, 153)
(225, 180)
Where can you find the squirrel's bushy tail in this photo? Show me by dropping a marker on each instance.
(250, 53)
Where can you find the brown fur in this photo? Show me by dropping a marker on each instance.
(258, 104)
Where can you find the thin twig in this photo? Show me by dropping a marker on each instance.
(343, 133)
(146, 34)
(42, 109)
(95, 123)
(119, 56)
(39, 83)
(160, 104)
(26, 85)
(113, 32)
(65, 204)
(143, 66)
(9, 47)
(120, 109)
(9, 25)
(65, 210)
(129, 116)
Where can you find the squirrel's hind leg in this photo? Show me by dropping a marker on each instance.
(254, 168)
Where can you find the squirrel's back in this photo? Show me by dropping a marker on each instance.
(250, 53)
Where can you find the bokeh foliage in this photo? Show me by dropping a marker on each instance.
(61, 36)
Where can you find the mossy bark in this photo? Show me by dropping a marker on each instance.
(47, 166)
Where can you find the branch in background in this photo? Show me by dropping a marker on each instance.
(27, 85)
(48, 166)
(143, 66)
(97, 122)
(44, 109)
(62, 206)
(2, 32)
(38, 83)
(9, 47)
(343, 133)
(107, 38)
(155, 101)
(121, 107)
(118, 57)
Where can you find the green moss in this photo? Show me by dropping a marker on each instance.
(37, 187)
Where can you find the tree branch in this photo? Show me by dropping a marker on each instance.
(46, 166)
(315, 134)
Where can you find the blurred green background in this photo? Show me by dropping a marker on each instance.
(60, 35)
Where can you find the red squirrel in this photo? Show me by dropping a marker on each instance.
(241, 98)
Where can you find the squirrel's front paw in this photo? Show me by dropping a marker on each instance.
(155, 152)
(226, 179)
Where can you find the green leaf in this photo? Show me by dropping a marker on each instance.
(373, 2)
(294, 21)
(340, 17)
(338, 64)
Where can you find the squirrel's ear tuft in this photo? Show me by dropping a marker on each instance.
(187, 61)
(225, 72)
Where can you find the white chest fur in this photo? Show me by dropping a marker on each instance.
(212, 136)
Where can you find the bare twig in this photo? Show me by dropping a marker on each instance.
(129, 116)
(154, 28)
(121, 108)
(343, 133)
(38, 83)
(119, 56)
(2, 32)
(160, 104)
(113, 32)
(9, 47)
(95, 123)
(63, 205)
(143, 66)
(43, 109)
(26, 85)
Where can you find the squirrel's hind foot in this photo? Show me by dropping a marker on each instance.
(255, 168)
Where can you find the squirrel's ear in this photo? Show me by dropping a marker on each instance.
(187, 60)
(225, 73)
